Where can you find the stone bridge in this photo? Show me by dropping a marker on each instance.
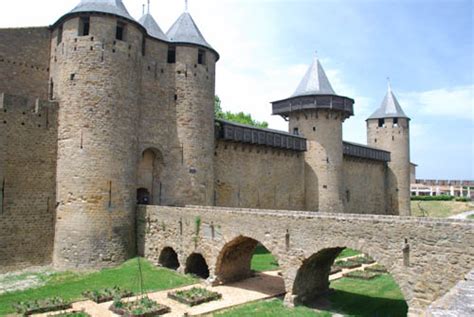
(425, 256)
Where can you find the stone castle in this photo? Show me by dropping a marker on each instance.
(100, 112)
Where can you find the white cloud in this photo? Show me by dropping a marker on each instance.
(454, 102)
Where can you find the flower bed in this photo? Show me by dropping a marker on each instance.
(72, 314)
(107, 295)
(41, 306)
(194, 296)
(348, 264)
(363, 275)
(363, 259)
(335, 269)
(376, 268)
(143, 307)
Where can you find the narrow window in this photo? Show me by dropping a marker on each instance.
(60, 34)
(296, 131)
(395, 122)
(171, 55)
(381, 123)
(51, 89)
(84, 26)
(348, 195)
(120, 31)
(201, 57)
(143, 45)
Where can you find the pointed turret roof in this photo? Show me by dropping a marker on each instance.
(153, 29)
(115, 7)
(314, 82)
(390, 107)
(185, 30)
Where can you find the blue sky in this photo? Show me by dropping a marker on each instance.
(424, 46)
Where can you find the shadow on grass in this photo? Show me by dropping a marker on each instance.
(352, 304)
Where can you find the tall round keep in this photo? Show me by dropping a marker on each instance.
(195, 62)
(317, 113)
(388, 128)
(95, 58)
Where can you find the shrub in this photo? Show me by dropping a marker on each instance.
(376, 268)
(347, 264)
(433, 198)
(73, 314)
(463, 199)
(363, 259)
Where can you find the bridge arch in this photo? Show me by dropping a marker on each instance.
(169, 258)
(196, 264)
(312, 276)
(234, 260)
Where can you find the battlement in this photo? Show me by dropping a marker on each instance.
(247, 134)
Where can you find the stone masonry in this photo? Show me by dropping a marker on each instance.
(426, 257)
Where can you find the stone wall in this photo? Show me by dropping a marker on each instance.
(24, 61)
(426, 257)
(28, 149)
(255, 176)
(365, 185)
(394, 138)
(97, 84)
(323, 171)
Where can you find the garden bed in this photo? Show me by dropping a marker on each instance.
(347, 264)
(194, 296)
(363, 259)
(107, 294)
(143, 307)
(335, 269)
(363, 275)
(376, 268)
(41, 306)
(72, 314)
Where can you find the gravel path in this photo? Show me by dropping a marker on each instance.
(463, 215)
(24, 279)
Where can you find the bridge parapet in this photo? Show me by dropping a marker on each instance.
(425, 256)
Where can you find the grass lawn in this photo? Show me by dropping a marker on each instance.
(263, 260)
(271, 308)
(441, 209)
(71, 285)
(470, 217)
(378, 297)
(347, 253)
(352, 297)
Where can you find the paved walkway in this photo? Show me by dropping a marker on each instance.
(463, 215)
(458, 302)
(262, 286)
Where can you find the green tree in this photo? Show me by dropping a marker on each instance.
(239, 117)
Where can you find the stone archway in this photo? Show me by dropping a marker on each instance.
(169, 259)
(150, 169)
(312, 281)
(197, 265)
(235, 258)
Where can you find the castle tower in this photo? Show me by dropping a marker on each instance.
(195, 62)
(315, 112)
(96, 51)
(388, 128)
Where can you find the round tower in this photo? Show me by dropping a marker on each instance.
(95, 75)
(194, 72)
(317, 113)
(388, 128)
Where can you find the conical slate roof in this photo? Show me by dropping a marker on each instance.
(315, 82)
(152, 27)
(185, 30)
(115, 7)
(390, 107)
